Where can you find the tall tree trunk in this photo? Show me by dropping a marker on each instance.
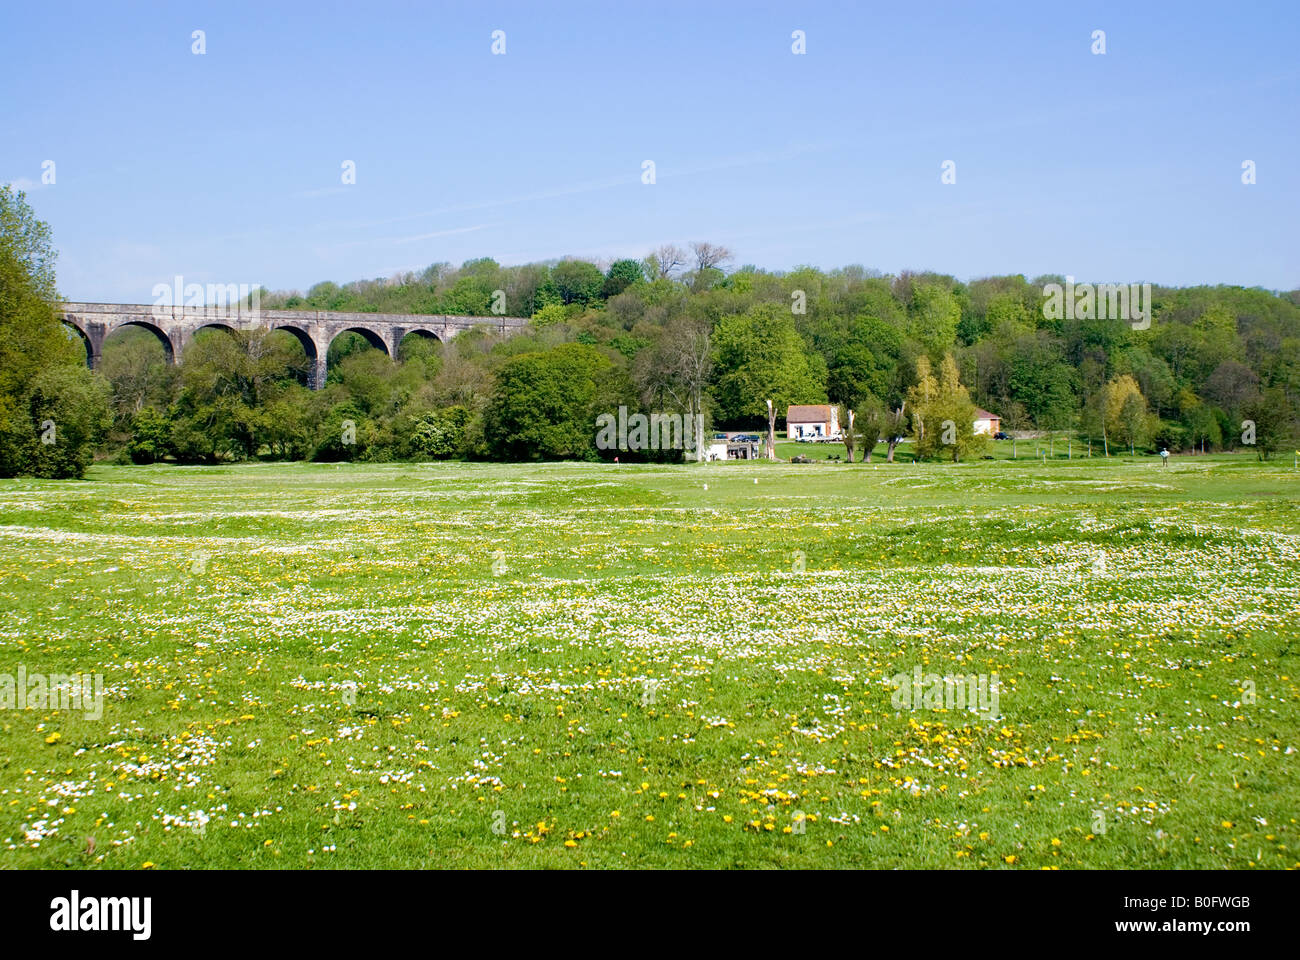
(894, 427)
(771, 431)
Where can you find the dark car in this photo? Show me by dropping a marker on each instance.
(1001, 435)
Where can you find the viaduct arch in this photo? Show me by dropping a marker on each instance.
(314, 329)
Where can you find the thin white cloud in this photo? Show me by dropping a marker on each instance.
(321, 192)
(635, 250)
(798, 227)
(415, 238)
(590, 186)
(608, 183)
(570, 190)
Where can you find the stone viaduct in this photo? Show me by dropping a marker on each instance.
(314, 329)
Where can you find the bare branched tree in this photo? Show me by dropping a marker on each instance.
(666, 260)
(677, 369)
(709, 255)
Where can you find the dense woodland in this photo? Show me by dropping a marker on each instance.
(681, 331)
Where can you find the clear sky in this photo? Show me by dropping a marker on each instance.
(227, 167)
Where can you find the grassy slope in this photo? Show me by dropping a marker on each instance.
(230, 608)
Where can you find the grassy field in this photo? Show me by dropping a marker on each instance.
(570, 665)
(1021, 451)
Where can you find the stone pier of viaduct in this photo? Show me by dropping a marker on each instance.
(314, 329)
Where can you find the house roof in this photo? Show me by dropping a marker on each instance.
(985, 415)
(809, 413)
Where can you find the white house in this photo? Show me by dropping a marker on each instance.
(812, 421)
(986, 422)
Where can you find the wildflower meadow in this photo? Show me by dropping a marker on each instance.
(598, 665)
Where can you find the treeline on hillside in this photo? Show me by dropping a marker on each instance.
(678, 332)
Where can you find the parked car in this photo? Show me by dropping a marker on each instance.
(1001, 435)
(746, 438)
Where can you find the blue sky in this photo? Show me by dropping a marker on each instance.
(226, 167)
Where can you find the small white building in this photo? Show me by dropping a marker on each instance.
(812, 421)
(742, 450)
(986, 422)
(716, 450)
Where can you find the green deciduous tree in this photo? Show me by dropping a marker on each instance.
(151, 437)
(577, 281)
(1122, 412)
(621, 275)
(442, 433)
(865, 362)
(933, 316)
(943, 414)
(53, 411)
(69, 407)
(760, 355)
(544, 406)
(1132, 421)
(1274, 420)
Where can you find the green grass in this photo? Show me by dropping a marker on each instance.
(1020, 451)
(1142, 621)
